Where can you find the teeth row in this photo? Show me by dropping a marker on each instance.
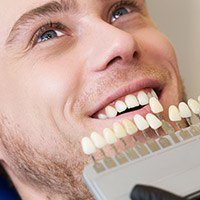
(177, 113)
(130, 101)
(119, 130)
(184, 110)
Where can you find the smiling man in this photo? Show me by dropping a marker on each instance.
(63, 63)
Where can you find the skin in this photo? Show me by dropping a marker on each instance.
(48, 89)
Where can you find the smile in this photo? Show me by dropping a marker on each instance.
(125, 104)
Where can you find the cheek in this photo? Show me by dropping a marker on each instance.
(157, 47)
(55, 80)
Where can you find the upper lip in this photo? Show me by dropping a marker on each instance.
(125, 90)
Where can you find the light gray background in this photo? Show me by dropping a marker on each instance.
(180, 21)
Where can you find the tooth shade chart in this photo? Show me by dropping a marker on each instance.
(130, 101)
(120, 130)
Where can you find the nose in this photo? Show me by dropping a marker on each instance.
(108, 46)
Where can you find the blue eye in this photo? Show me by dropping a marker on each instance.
(118, 13)
(48, 35)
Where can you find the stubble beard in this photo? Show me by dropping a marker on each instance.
(49, 174)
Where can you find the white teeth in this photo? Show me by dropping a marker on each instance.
(119, 130)
(98, 140)
(184, 110)
(120, 106)
(154, 94)
(102, 116)
(109, 136)
(129, 126)
(155, 105)
(194, 106)
(131, 101)
(153, 121)
(142, 98)
(87, 146)
(140, 122)
(174, 114)
(110, 112)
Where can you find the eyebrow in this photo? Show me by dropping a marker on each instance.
(46, 10)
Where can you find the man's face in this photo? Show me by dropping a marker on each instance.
(61, 65)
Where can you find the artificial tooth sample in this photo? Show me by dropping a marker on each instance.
(154, 94)
(120, 106)
(110, 112)
(194, 106)
(131, 129)
(157, 108)
(142, 125)
(98, 140)
(153, 121)
(102, 116)
(155, 124)
(119, 130)
(140, 122)
(111, 139)
(142, 98)
(131, 101)
(120, 133)
(87, 146)
(89, 149)
(129, 126)
(155, 105)
(184, 110)
(174, 114)
(109, 136)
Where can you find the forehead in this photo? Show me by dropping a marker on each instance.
(11, 11)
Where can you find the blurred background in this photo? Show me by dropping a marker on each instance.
(180, 21)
